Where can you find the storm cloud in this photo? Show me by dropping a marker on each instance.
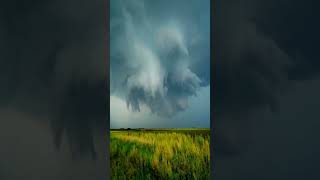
(159, 57)
(53, 77)
(265, 76)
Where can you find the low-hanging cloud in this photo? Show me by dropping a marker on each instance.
(152, 60)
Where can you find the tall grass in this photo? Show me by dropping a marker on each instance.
(159, 155)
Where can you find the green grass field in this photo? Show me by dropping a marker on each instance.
(160, 154)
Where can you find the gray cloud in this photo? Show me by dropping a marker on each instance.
(152, 60)
(53, 74)
(264, 89)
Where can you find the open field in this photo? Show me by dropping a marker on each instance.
(160, 153)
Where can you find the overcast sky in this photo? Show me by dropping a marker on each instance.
(53, 105)
(160, 63)
(54, 71)
(266, 71)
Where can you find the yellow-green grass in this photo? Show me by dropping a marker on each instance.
(165, 154)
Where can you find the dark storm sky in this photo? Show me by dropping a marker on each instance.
(160, 57)
(266, 75)
(53, 77)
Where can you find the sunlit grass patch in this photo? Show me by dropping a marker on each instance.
(160, 155)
